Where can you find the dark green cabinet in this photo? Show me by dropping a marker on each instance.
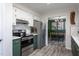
(38, 41)
(16, 47)
(75, 48)
(35, 41)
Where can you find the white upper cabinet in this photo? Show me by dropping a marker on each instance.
(20, 14)
(30, 21)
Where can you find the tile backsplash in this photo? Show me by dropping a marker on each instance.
(22, 27)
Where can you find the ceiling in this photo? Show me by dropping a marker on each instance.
(42, 8)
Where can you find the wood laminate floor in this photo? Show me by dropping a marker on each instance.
(27, 50)
(53, 49)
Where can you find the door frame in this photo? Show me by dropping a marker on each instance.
(46, 33)
(6, 28)
(46, 42)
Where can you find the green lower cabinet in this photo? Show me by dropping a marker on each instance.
(16, 47)
(75, 48)
(78, 51)
(35, 43)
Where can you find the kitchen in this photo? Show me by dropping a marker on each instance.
(27, 30)
(20, 28)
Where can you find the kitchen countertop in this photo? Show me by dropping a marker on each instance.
(15, 37)
(34, 34)
(76, 38)
(75, 34)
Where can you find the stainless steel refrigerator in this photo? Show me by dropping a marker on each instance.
(41, 33)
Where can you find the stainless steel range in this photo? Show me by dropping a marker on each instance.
(26, 39)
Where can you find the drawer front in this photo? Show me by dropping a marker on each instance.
(16, 47)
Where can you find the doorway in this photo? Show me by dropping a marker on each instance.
(56, 31)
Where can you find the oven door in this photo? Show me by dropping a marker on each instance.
(26, 41)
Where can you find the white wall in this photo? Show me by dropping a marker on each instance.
(77, 19)
(0, 28)
(61, 12)
(6, 32)
(75, 27)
